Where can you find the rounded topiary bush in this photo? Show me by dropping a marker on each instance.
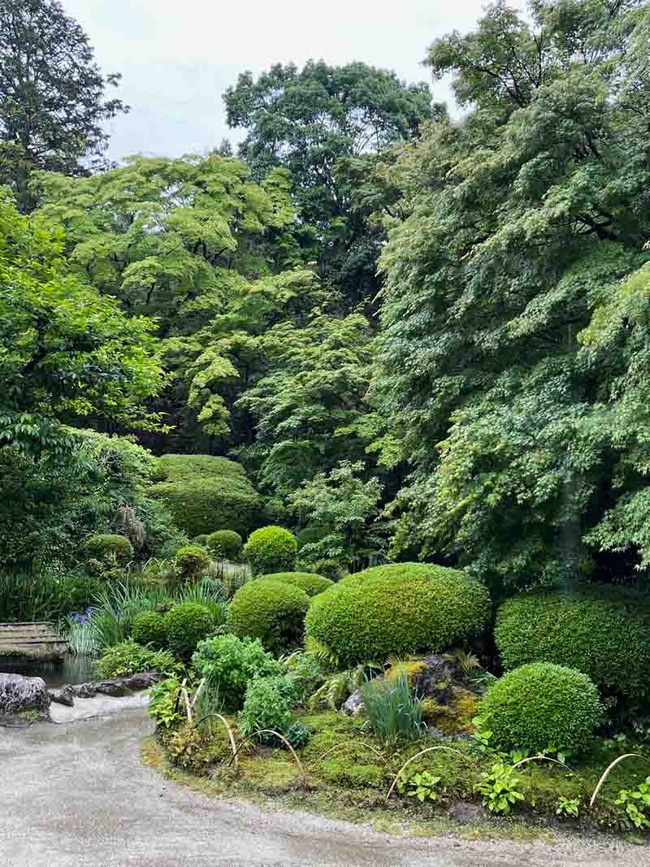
(201, 540)
(108, 546)
(225, 544)
(601, 631)
(269, 610)
(398, 609)
(542, 706)
(309, 582)
(148, 628)
(192, 561)
(271, 549)
(186, 625)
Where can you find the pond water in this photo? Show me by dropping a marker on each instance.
(73, 669)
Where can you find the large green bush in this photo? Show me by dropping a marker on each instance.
(541, 706)
(271, 549)
(109, 545)
(270, 610)
(225, 544)
(187, 624)
(206, 493)
(231, 663)
(398, 609)
(149, 628)
(309, 582)
(601, 631)
(128, 657)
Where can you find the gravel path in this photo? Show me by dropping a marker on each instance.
(77, 795)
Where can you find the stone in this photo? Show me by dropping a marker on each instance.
(440, 675)
(63, 696)
(84, 690)
(143, 680)
(466, 813)
(114, 688)
(354, 704)
(23, 700)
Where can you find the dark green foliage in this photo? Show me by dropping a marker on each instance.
(542, 706)
(107, 546)
(128, 657)
(601, 631)
(297, 734)
(230, 663)
(272, 611)
(192, 561)
(271, 549)
(392, 711)
(399, 609)
(179, 468)
(28, 596)
(201, 540)
(187, 624)
(267, 706)
(307, 581)
(52, 105)
(149, 628)
(225, 544)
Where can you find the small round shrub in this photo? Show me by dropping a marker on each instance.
(187, 624)
(148, 627)
(541, 706)
(106, 546)
(309, 582)
(271, 611)
(601, 631)
(398, 609)
(267, 706)
(271, 549)
(192, 561)
(201, 541)
(225, 544)
(230, 663)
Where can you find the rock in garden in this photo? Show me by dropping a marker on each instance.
(63, 696)
(23, 699)
(438, 677)
(114, 688)
(84, 690)
(466, 813)
(143, 680)
(354, 705)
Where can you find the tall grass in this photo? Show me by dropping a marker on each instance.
(231, 576)
(392, 710)
(209, 593)
(80, 635)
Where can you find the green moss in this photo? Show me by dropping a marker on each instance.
(342, 772)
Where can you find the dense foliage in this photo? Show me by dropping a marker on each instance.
(307, 581)
(270, 610)
(230, 663)
(225, 544)
(271, 549)
(397, 610)
(542, 706)
(186, 625)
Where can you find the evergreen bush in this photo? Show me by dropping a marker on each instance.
(104, 546)
(187, 624)
(269, 610)
(230, 663)
(149, 628)
(225, 544)
(309, 582)
(271, 549)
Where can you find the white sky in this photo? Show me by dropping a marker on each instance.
(177, 58)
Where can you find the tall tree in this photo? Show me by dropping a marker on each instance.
(314, 121)
(52, 95)
(514, 361)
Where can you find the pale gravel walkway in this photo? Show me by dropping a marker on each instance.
(77, 795)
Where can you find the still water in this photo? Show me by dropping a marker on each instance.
(74, 669)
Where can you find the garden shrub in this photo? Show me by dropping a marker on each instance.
(107, 546)
(267, 706)
(149, 628)
(270, 610)
(231, 663)
(128, 657)
(192, 561)
(601, 631)
(206, 493)
(271, 549)
(201, 540)
(187, 624)
(309, 582)
(397, 610)
(542, 706)
(225, 544)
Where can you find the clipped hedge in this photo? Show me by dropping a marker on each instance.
(542, 706)
(149, 627)
(309, 582)
(271, 549)
(186, 625)
(269, 610)
(199, 505)
(178, 468)
(398, 609)
(225, 544)
(105, 545)
(601, 631)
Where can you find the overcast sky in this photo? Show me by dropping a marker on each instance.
(177, 58)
